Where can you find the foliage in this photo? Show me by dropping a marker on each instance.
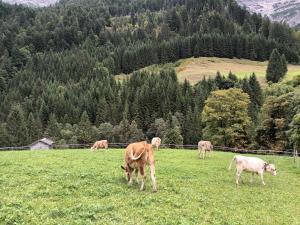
(277, 67)
(278, 111)
(226, 118)
(57, 64)
(295, 131)
(172, 135)
(16, 127)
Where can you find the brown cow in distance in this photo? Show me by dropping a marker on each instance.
(204, 147)
(100, 144)
(137, 155)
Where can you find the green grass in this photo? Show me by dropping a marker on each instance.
(83, 187)
(195, 69)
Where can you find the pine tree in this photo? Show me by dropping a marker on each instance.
(2, 84)
(121, 131)
(172, 136)
(84, 135)
(53, 129)
(106, 131)
(101, 115)
(17, 127)
(44, 113)
(135, 134)
(284, 64)
(275, 70)
(33, 131)
(4, 138)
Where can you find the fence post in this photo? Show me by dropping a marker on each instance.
(295, 156)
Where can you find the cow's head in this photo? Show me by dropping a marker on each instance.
(271, 169)
(127, 171)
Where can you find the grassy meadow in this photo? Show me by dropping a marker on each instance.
(195, 69)
(83, 187)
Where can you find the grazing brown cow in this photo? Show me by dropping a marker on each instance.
(204, 147)
(156, 141)
(100, 144)
(137, 155)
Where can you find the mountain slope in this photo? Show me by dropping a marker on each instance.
(32, 3)
(278, 10)
(56, 63)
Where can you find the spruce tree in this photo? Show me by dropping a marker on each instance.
(172, 136)
(32, 128)
(4, 138)
(53, 129)
(284, 64)
(275, 69)
(135, 134)
(2, 84)
(84, 135)
(256, 97)
(17, 127)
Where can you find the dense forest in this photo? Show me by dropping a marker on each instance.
(57, 67)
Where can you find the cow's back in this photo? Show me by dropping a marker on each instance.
(205, 145)
(135, 149)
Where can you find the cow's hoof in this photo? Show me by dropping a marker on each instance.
(154, 190)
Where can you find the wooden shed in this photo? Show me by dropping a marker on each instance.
(42, 144)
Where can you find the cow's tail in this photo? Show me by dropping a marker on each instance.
(233, 159)
(137, 157)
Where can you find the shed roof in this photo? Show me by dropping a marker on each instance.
(45, 141)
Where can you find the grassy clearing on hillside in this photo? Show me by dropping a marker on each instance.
(195, 69)
(83, 187)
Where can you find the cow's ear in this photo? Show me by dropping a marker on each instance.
(122, 167)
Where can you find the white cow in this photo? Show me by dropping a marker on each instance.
(156, 141)
(204, 147)
(252, 165)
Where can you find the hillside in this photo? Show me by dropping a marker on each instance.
(32, 3)
(282, 11)
(195, 69)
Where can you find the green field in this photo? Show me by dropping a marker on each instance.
(195, 69)
(83, 187)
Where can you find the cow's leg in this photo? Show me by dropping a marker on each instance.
(152, 173)
(238, 176)
(137, 175)
(130, 170)
(142, 172)
(261, 174)
(252, 176)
